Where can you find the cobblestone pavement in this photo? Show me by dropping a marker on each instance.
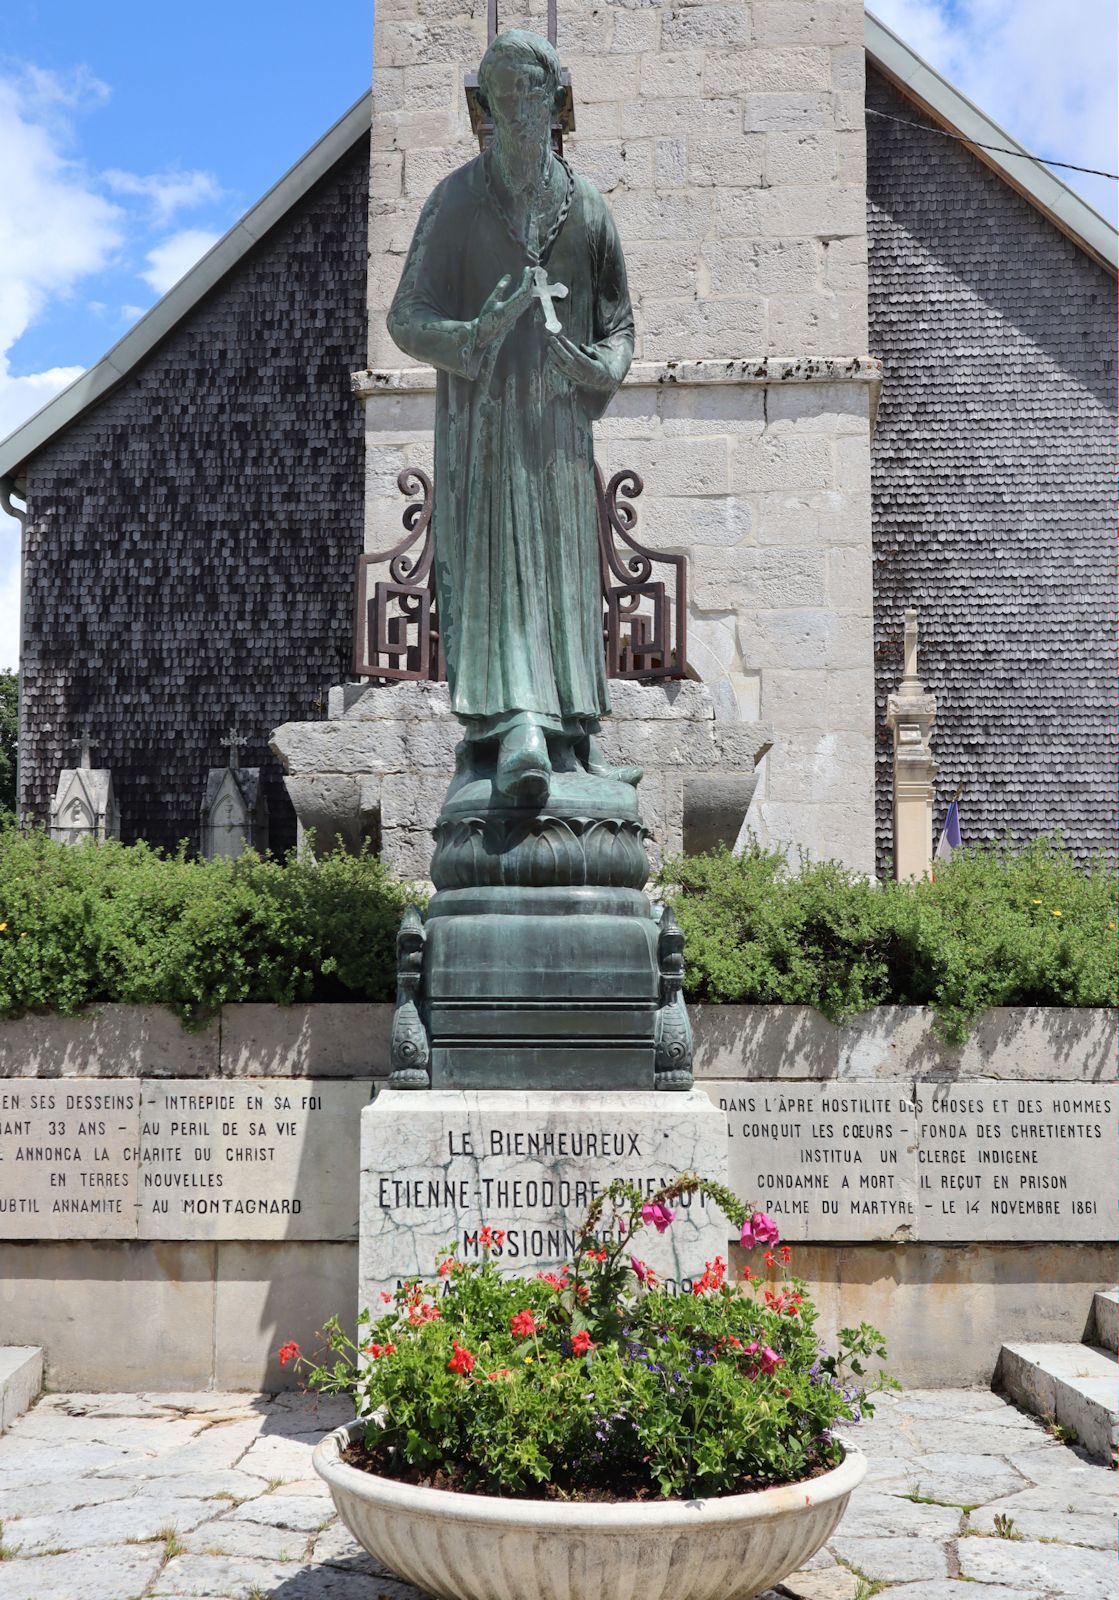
(212, 1497)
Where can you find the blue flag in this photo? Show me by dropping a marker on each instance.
(950, 838)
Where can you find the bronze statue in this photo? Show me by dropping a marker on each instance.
(515, 291)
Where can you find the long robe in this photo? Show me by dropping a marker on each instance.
(515, 517)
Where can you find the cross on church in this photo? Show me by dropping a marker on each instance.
(234, 740)
(546, 293)
(86, 742)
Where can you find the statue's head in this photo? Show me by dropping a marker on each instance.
(519, 86)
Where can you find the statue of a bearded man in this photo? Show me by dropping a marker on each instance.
(515, 291)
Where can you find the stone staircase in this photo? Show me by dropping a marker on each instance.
(1073, 1385)
(21, 1379)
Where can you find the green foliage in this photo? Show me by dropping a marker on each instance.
(997, 926)
(125, 922)
(9, 742)
(595, 1378)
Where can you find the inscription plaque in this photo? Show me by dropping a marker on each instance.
(977, 1160)
(250, 1158)
(437, 1167)
(68, 1158)
(180, 1158)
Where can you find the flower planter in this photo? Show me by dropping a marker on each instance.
(478, 1547)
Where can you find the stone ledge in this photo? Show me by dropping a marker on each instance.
(775, 370)
(21, 1379)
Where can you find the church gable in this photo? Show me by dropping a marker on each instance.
(191, 540)
(992, 500)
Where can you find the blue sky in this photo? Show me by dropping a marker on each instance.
(133, 134)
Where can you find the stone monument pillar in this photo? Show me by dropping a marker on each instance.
(540, 1006)
(911, 713)
(234, 813)
(84, 805)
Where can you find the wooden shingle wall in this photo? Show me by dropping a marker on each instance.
(191, 541)
(993, 494)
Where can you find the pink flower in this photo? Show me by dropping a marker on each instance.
(759, 1229)
(771, 1360)
(659, 1215)
(641, 1271)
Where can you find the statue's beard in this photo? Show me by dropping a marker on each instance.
(522, 162)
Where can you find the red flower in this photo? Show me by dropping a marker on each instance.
(770, 1260)
(714, 1276)
(387, 1298)
(462, 1361)
(523, 1325)
(289, 1352)
(379, 1350)
(582, 1344)
(786, 1254)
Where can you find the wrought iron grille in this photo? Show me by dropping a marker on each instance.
(644, 623)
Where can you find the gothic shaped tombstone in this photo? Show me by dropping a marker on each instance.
(84, 805)
(234, 810)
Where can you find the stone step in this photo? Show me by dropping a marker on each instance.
(21, 1379)
(1075, 1385)
(1105, 1320)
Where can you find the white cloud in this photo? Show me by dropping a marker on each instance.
(1047, 73)
(168, 192)
(174, 257)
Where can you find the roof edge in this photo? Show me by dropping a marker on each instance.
(922, 84)
(154, 326)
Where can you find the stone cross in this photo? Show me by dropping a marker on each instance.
(233, 739)
(85, 762)
(911, 644)
(546, 293)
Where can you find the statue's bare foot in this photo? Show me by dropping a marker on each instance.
(590, 753)
(523, 766)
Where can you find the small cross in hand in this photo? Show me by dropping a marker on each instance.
(547, 293)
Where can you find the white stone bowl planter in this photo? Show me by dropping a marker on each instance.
(478, 1547)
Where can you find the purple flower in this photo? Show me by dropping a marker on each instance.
(661, 1216)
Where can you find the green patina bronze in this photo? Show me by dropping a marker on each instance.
(542, 962)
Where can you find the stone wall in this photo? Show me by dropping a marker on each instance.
(993, 486)
(191, 542)
(729, 140)
(209, 1302)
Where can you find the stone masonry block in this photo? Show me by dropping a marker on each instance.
(424, 168)
(602, 164)
(794, 698)
(782, 461)
(430, 86)
(785, 518)
(788, 70)
(703, 329)
(671, 163)
(831, 408)
(755, 580)
(412, 799)
(809, 210)
(598, 78)
(653, 119)
(635, 31)
(843, 518)
(793, 640)
(651, 267)
(725, 159)
(664, 218)
(709, 27)
(776, 113)
(806, 22)
(853, 462)
(713, 408)
(850, 586)
(821, 323)
(683, 524)
(415, 129)
(846, 265)
(848, 67)
(837, 767)
(386, 171)
(657, 702)
(850, 155)
(675, 73)
(672, 467)
(662, 743)
(800, 158)
(403, 44)
(760, 266)
(849, 697)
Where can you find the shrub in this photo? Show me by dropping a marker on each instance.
(125, 922)
(997, 926)
(595, 1382)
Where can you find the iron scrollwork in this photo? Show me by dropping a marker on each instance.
(396, 627)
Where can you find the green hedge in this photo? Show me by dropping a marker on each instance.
(124, 922)
(997, 926)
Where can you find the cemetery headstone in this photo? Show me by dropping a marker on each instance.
(234, 813)
(84, 805)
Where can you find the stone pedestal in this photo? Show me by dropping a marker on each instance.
(911, 715)
(437, 1167)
